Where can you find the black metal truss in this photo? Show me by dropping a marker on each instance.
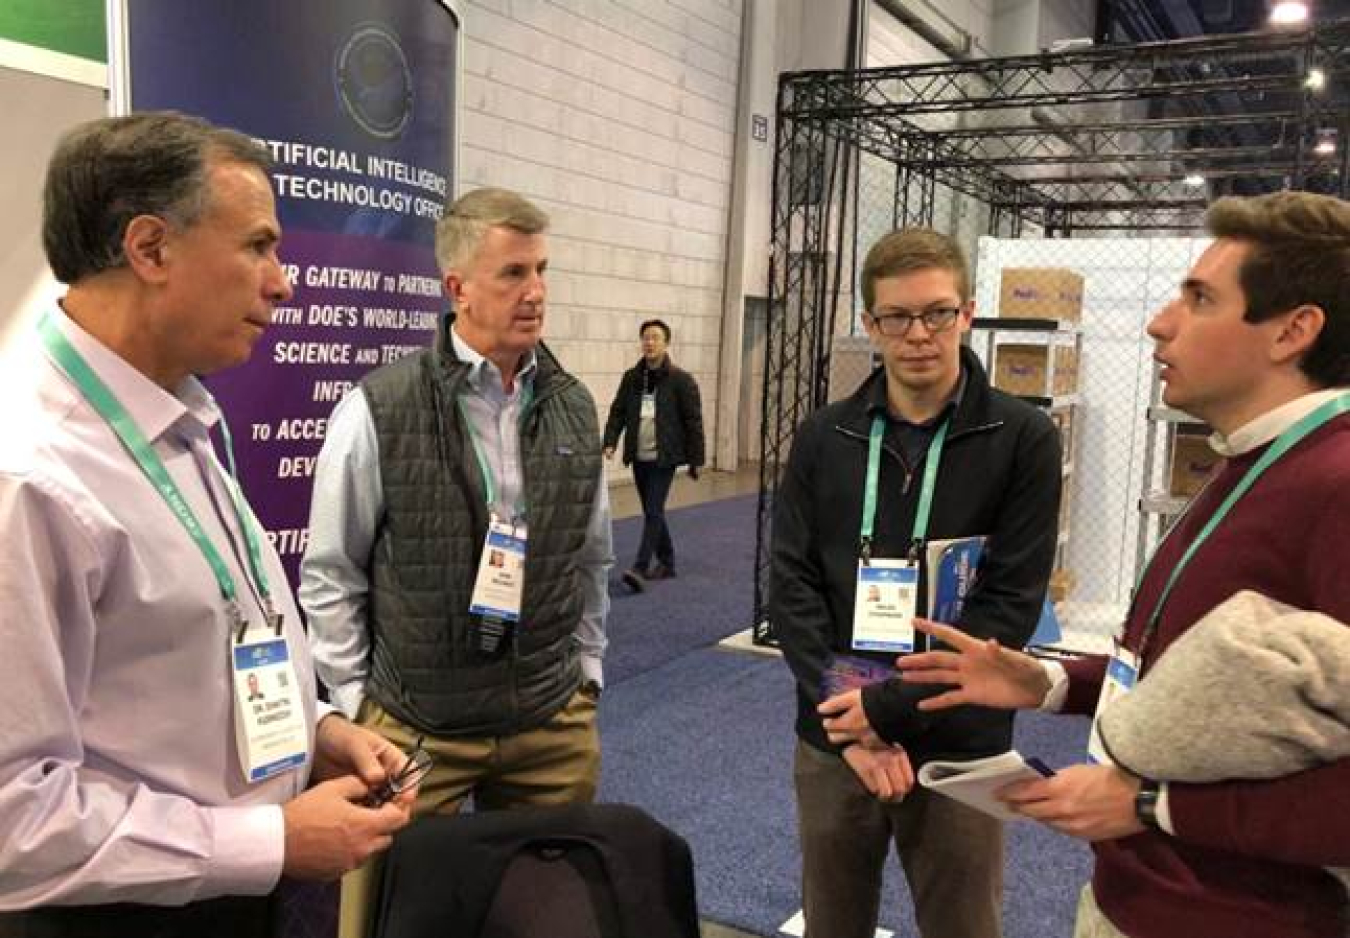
(1191, 68)
(1027, 137)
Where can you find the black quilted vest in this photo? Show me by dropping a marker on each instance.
(425, 666)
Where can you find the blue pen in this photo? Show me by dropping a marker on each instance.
(1040, 767)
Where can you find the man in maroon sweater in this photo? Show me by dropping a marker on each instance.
(1257, 345)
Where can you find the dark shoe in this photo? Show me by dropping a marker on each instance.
(634, 580)
(661, 572)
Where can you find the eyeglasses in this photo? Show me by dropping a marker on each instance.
(415, 769)
(897, 322)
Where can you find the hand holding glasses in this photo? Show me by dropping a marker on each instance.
(897, 322)
(412, 772)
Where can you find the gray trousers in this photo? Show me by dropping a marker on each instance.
(952, 855)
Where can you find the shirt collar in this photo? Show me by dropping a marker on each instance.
(482, 372)
(878, 400)
(153, 409)
(1271, 424)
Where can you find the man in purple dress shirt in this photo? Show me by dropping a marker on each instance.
(138, 793)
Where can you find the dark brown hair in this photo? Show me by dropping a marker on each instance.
(1300, 256)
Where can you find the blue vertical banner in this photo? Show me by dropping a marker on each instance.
(356, 100)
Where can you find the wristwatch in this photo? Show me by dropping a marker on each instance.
(1146, 804)
(592, 689)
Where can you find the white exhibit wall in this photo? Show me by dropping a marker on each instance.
(38, 109)
(619, 119)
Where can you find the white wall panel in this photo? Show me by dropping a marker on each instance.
(618, 118)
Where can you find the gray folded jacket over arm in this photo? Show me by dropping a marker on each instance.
(1256, 689)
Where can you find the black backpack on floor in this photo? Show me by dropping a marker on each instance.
(579, 871)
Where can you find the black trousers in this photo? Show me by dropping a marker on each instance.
(227, 917)
(653, 485)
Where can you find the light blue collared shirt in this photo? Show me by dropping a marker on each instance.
(349, 500)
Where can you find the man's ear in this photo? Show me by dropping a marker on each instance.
(146, 246)
(454, 288)
(967, 316)
(1298, 334)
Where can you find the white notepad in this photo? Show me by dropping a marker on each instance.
(975, 781)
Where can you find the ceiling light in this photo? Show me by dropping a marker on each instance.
(1316, 79)
(1194, 180)
(1288, 13)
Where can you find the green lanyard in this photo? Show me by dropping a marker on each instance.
(489, 488)
(930, 472)
(111, 410)
(1283, 443)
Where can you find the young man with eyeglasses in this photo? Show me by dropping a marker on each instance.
(996, 473)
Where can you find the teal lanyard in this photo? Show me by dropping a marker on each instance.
(111, 410)
(930, 472)
(1283, 443)
(489, 488)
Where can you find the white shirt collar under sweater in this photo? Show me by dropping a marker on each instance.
(1271, 424)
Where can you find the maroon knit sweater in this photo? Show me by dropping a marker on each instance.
(1247, 856)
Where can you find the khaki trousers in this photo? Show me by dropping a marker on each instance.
(1090, 922)
(557, 763)
(952, 855)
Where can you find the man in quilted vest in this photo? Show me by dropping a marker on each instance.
(455, 580)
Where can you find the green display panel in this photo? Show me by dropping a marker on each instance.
(74, 27)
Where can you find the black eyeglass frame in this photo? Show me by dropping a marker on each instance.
(938, 319)
(418, 764)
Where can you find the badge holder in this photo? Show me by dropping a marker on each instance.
(1122, 672)
(885, 601)
(270, 732)
(500, 585)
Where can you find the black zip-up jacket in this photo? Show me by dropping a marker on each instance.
(1000, 476)
(679, 414)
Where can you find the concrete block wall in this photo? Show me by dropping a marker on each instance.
(618, 118)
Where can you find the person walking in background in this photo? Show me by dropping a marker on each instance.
(658, 412)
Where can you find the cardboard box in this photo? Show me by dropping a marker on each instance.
(1065, 379)
(1062, 418)
(1022, 369)
(1062, 581)
(1040, 293)
(1192, 463)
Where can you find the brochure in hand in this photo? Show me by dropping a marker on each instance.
(849, 672)
(952, 568)
(974, 782)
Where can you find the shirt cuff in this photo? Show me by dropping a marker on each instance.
(248, 851)
(1054, 698)
(348, 698)
(1163, 810)
(592, 670)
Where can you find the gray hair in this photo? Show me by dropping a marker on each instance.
(107, 172)
(460, 232)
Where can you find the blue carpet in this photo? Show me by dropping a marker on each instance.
(704, 743)
(712, 598)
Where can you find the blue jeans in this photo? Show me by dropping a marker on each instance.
(653, 485)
